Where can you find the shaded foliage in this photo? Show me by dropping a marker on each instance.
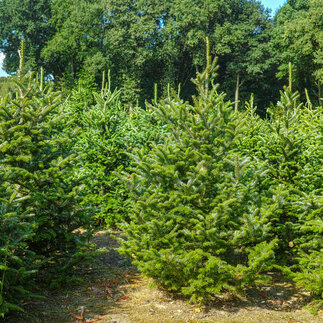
(109, 131)
(157, 42)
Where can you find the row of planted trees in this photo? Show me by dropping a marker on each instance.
(57, 158)
(229, 196)
(218, 197)
(40, 207)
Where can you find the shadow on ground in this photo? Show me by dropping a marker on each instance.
(112, 290)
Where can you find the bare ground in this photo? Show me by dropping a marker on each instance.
(113, 291)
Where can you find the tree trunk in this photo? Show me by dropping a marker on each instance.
(236, 94)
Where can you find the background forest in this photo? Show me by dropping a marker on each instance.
(116, 115)
(161, 42)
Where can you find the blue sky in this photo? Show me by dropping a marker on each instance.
(272, 4)
(2, 73)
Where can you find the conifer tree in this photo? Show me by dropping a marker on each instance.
(289, 142)
(108, 131)
(17, 262)
(196, 227)
(38, 161)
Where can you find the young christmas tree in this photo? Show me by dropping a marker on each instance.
(289, 143)
(17, 262)
(108, 131)
(38, 161)
(196, 225)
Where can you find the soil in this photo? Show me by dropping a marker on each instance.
(113, 291)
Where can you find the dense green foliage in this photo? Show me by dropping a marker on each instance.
(211, 194)
(213, 200)
(108, 132)
(6, 86)
(28, 20)
(57, 174)
(298, 38)
(40, 200)
(290, 143)
(16, 261)
(228, 196)
(147, 42)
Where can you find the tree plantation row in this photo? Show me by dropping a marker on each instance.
(209, 198)
(161, 42)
